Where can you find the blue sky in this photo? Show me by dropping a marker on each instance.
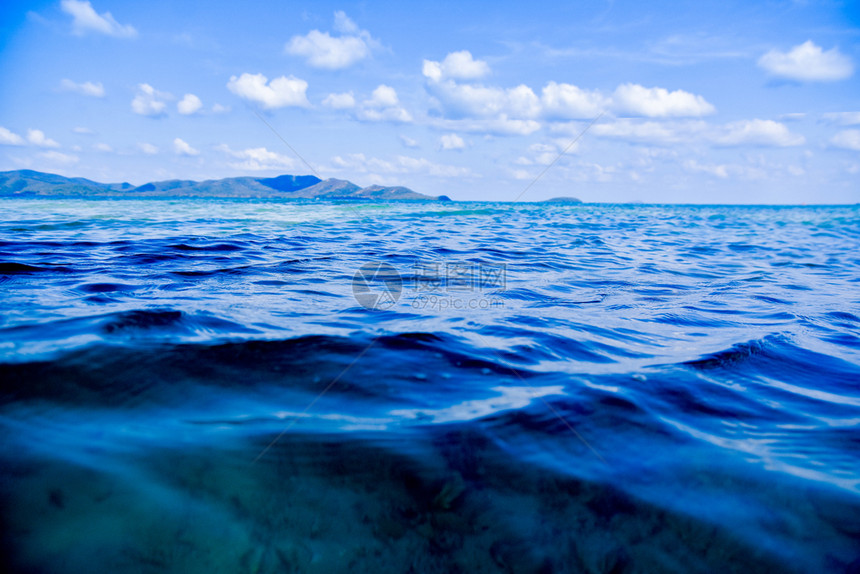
(706, 102)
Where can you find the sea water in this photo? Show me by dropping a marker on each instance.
(261, 386)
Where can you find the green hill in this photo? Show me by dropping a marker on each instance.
(27, 182)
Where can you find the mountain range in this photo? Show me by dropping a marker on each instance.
(34, 183)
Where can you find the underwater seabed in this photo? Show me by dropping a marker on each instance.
(455, 503)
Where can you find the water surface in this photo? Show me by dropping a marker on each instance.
(193, 386)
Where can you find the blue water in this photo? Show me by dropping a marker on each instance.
(195, 386)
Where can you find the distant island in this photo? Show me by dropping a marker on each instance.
(25, 182)
(562, 200)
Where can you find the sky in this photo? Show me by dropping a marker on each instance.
(658, 102)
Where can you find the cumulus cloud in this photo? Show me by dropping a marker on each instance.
(257, 159)
(468, 106)
(457, 66)
(808, 63)
(95, 90)
(85, 19)
(383, 97)
(409, 142)
(8, 137)
(342, 101)
(103, 147)
(181, 147)
(847, 139)
(280, 92)
(37, 137)
(464, 100)
(219, 109)
(757, 132)
(451, 141)
(659, 102)
(147, 148)
(383, 105)
(566, 101)
(189, 104)
(322, 50)
(148, 101)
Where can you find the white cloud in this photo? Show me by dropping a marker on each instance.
(844, 118)
(325, 51)
(659, 102)
(501, 125)
(757, 132)
(808, 63)
(359, 163)
(82, 130)
(189, 104)
(258, 159)
(181, 147)
(344, 24)
(59, 157)
(394, 114)
(280, 92)
(423, 165)
(464, 100)
(37, 137)
(518, 110)
(383, 97)
(456, 65)
(219, 109)
(545, 154)
(103, 147)
(720, 171)
(451, 141)
(322, 50)
(646, 131)
(148, 101)
(342, 101)
(8, 137)
(792, 117)
(469, 100)
(147, 148)
(383, 105)
(95, 90)
(754, 132)
(847, 139)
(409, 142)
(86, 19)
(566, 101)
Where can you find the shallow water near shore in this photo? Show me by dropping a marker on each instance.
(204, 386)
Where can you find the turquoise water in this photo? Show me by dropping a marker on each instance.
(247, 386)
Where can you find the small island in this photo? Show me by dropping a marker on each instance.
(29, 183)
(562, 200)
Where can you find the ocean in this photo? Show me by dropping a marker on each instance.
(262, 386)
